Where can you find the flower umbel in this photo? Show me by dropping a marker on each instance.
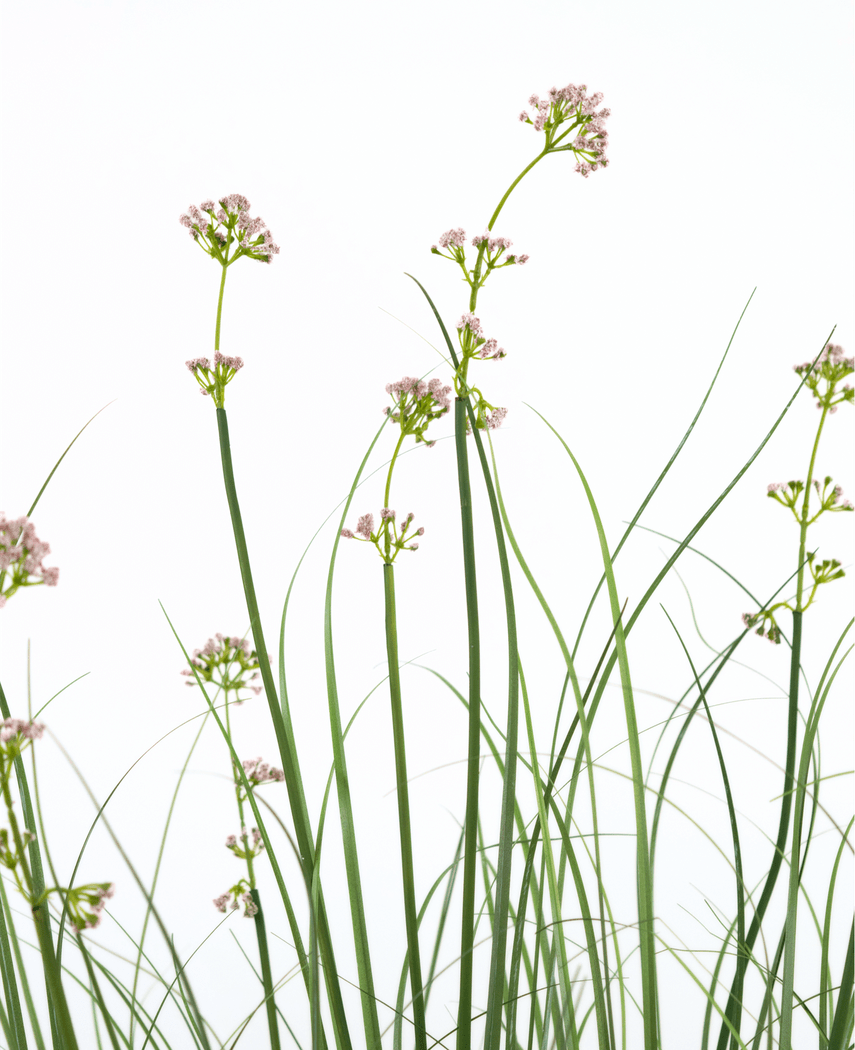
(228, 663)
(417, 404)
(831, 367)
(21, 554)
(241, 845)
(389, 539)
(213, 381)
(237, 895)
(571, 106)
(490, 255)
(215, 231)
(258, 772)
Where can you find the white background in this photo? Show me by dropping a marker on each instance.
(360, 132)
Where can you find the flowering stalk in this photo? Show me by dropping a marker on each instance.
(217, 241)
(563, 112)
(416, 405)
(823, 377)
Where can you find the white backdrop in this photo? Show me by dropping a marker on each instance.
(360, 133)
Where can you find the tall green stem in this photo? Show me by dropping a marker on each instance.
(220, 309)
(296, 797)
(410, 907)
(266, 974)
(470, 846)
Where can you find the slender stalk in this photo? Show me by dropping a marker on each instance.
(410, 909)
(266, 974)
(734, 1008)
(470, 824)
(220, 307)
(296, 797)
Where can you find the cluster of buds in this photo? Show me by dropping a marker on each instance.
(490, 254)
(417, 405)
(228, 663)
(388, 540)
(215, 230)
(571, 106)
(831, 366)
(239, 894)
(21, 554)
(241, 846)
(788, 493)
(258, 772)
(85, 904)
(765, 624)
(213, 381)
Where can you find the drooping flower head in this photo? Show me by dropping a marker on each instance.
(21, 554)
(216, 230)
(228, 663)
(567, 110)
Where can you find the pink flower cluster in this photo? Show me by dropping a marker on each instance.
(832, 365)
(364, 528)
(494, 246)
(258, 772)
(572, 103)
(21, 554)
(387, 538)
(245, 850)
(213, 381)
(418, 389)
(473, 341)
(452, 238)
(228, 663)
(500, 244)
(220, 225)
(250, 907)
(11, 727)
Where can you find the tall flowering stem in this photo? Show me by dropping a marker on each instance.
(824, 379)
(563, 112)
(227, 234)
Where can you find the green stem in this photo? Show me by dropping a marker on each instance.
(734, 1006)
(296, 798)
(804, 515)
(410, 908)
(220, 308)
(266, 974)
(41, 916)
(470, 847)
